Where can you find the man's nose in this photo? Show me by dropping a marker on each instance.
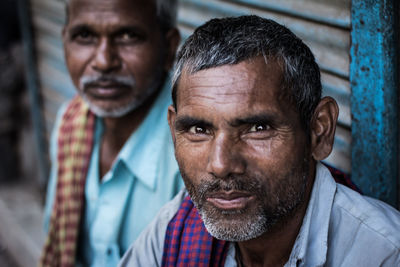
(225, 157)
(106, 58)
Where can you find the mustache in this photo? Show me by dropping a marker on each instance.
(95, 80)
(233, 183)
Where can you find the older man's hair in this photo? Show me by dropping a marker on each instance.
(230, 41)
(166, 13)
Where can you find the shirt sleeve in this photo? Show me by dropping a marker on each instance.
(147, 250)
(52, 184)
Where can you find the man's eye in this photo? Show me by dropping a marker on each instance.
(127, 37)
(83, 37)
(198, 130)
(259, 128)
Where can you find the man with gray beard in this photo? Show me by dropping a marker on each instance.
(250, 129)
(112, 153)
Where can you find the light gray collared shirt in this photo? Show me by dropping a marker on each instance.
(340, 228)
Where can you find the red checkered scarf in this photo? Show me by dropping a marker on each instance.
(75, 142)
(187, 242)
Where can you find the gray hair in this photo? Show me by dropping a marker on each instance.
(229, 41)
(166, 12)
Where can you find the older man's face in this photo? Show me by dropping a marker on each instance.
(115, 53)
(240, 146)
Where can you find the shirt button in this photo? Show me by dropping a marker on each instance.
(109, 252)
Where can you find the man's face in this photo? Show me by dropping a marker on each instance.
(115, 53)
(242, 152)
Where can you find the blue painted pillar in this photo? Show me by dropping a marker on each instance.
(374, 99)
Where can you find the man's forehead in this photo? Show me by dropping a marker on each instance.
(217, 80)
(126, 8)
(254, 76)
(247, 87)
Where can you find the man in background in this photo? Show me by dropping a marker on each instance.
(112, 157)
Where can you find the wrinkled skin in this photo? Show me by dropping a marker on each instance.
(244, 156)
(234, 135)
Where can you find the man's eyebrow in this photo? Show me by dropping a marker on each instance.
(118, 30)
(80, 27)
(185, 122)
(132, 28)
(263, 118)
(129, 28)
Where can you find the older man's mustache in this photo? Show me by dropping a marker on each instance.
(237, 183)
(106, 79)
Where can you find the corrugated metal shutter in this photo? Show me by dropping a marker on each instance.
(55, 84)
(323, 24)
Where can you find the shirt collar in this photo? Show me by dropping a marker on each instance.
(142, 150)
(311, 244)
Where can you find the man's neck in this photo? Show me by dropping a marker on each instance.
(274, 247)
(118, 130)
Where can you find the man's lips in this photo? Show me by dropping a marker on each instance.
(230, 199)
(106, 90)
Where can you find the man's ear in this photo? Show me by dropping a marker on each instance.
(323, 126)
(171, 121)
(172, 40)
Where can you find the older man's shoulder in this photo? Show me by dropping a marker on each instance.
(363, 230)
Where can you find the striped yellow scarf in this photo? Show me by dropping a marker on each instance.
(75, 142)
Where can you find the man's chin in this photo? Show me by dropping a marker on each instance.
(113, 113)
(110, 112)
(233, 224)
(235, 230)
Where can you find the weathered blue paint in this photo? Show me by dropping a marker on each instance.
(34, 96)
(374, 100)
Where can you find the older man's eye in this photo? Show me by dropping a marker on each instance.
(259, 128)
(127, 37)
(84, 36)
(198, 130)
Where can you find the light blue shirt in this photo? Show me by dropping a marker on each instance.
(143, 177)
(340, 228)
